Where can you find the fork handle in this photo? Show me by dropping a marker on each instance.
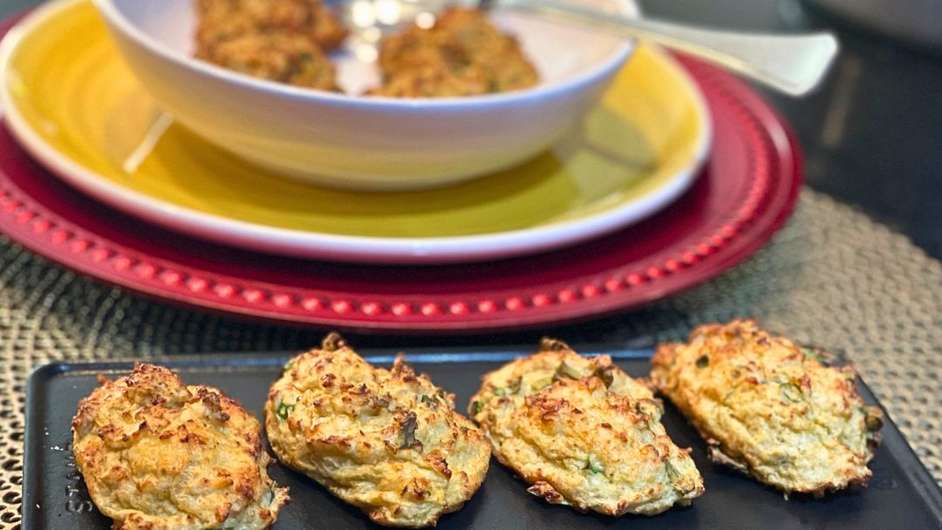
(794, 64)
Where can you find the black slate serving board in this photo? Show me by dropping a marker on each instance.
(902, 494)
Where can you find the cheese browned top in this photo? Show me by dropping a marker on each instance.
(284, 40)
(583, 433)
(770, 408)
(386, 441)
(159, 455)
(462, 54)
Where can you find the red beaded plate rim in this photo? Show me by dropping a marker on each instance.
(776, 180)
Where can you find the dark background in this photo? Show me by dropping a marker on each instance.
(872, 133)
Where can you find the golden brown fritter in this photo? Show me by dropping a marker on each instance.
(769, 408)
(463, 54)
(584, 434)
(278, 56)
(386, 441)
(220, 20)
(159, 455)
(280, 40)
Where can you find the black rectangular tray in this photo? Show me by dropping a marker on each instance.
(902, 494)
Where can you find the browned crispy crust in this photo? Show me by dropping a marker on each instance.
(584, 434)
(284, 40)
(387, 441)
(156, 454)
(738, 385)
(463, 54)
(220, 20)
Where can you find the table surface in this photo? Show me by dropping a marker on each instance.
(871, 291)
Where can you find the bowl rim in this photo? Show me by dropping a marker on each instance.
(116, 19)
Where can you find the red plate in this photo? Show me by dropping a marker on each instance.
(747, 191)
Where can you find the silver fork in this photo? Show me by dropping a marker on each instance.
(792, 63)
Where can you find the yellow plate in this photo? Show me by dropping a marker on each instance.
(73, 103)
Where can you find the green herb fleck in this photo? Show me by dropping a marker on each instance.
(672, 472)
(703, 361)
(283, 410)
(824, 357)
(593, 465)
(564, 370)
(407, 428)
(476, 408)
(791, 392)
(515, 385)
(607, 375)
(430, 401)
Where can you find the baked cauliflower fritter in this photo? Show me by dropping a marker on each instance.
(584, 434)
(159, 455)
(463, 54)
(279, 40)
(278, 56)
(769, 408)
(386, 441)
(221, 20)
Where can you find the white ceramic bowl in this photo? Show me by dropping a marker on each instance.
(359, 142)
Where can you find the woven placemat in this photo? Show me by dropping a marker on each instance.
(832, 277)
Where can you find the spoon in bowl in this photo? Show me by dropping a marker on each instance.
(791, 63)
